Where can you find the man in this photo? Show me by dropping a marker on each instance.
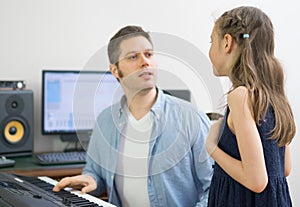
(149, 148)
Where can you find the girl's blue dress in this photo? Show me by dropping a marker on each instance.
(226, 192)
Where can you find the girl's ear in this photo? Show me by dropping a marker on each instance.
(228, 43)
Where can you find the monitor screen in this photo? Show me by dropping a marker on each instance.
(72, 99)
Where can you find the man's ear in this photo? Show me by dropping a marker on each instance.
(114, 70)
(228, 43)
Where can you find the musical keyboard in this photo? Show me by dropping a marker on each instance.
(77, 193)
(37, 191)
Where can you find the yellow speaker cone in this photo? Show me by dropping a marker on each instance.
(14, 131)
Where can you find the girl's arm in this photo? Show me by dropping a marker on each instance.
(287, 161)
(251, 170)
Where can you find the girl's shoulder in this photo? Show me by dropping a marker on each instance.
(238, 96)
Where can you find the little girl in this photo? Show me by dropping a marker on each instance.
(250, 145)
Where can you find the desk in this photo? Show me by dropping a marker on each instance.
(26, 166)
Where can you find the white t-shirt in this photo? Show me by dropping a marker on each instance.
(132, 168)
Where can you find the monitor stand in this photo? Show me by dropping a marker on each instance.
(80, 140)
(69, 137)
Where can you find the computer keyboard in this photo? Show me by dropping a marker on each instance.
(54, 158)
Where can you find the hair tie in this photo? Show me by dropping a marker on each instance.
(245, 36)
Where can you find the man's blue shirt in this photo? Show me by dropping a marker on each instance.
(179, 169)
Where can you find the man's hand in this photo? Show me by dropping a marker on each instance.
(84, 182)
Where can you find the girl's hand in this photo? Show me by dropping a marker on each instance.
(213, 137)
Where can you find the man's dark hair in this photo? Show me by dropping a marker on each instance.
(122, 34)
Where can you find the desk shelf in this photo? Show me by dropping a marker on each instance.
(27, 167)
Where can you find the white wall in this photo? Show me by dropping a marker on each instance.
(63, 34)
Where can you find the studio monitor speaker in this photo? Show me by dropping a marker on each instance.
(16, 122)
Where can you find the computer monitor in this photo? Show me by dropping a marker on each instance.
(72, 100)
(184, 94)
